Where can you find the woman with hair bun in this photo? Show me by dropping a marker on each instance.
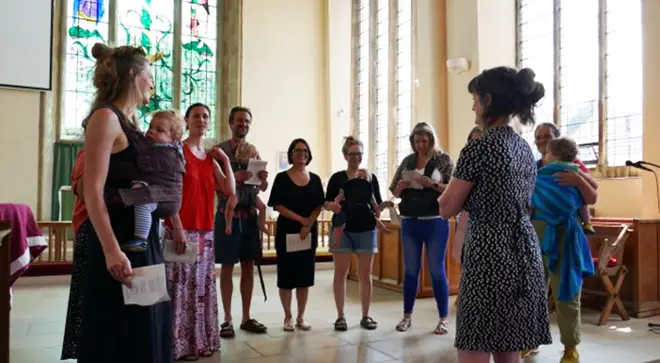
(502, 272)
(100, 327)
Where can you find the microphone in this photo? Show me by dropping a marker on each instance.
(638, 165)
(647, 163)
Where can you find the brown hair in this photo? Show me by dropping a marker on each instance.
(114, 71)
(174, 122)
(245, 151)
(564, 149)
(512, 93)
(348, 142)
(424, 129)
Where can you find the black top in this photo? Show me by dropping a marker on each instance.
(354, 223)
(424, 202)
(302, 200)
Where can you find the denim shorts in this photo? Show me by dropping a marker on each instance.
(355, 242)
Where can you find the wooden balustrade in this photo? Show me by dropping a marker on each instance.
(58, 256)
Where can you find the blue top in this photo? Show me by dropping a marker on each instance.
(558, 206)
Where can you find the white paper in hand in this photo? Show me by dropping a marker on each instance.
(412, 176)
(148, 286)
(294, 243)
(170, 255)
(254, 167)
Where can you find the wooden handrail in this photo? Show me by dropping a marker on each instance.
(60, 247)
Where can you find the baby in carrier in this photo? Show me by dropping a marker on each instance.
(164, 136)
(244, 152)
(355, 196)
(564, 151)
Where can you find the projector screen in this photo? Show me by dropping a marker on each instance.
(26, 43)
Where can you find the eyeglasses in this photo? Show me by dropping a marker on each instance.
(301, 151)
(355, 154)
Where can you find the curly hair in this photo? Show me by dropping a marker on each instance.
(174, 122)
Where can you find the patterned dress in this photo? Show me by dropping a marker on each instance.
(502, 303)
(192, 286)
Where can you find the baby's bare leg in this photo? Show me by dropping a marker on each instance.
(261, 208)
(229, 213)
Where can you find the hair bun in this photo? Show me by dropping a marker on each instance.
(524, 81)
(100, 50)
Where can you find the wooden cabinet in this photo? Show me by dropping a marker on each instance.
(388, 264)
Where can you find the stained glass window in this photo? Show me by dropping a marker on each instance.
(149, 24)
(198, 77)
(86, 24)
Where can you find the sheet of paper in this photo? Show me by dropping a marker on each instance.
(149, 286)
(395, 219)
(254, 167)
(412, 176)
(294, 243)
(170, 255)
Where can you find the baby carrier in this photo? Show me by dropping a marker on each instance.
(356, 206)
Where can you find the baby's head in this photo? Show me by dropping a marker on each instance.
(561, 149)
(245, 151)
(165, 126)
(363, 174)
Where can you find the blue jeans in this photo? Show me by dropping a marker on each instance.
(414, 233)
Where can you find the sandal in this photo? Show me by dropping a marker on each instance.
(302, 324)
(206, 353)
(368, 323)
(288, 325)
(253, 326)
(227, 330)
(441, 328)
(404, 325)
(340, 324)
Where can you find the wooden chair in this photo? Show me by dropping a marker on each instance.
(609, 263)
(5, 235)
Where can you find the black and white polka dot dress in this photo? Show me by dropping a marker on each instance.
(502, 303)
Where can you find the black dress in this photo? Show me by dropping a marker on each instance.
(295, 269)
(109, 331)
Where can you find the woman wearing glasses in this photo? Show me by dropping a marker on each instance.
(297, 195)
(358, 237)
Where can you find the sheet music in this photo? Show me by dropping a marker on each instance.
(413, 176)
(294, 243)
(255, 166)
(149, 286)
(170, 255)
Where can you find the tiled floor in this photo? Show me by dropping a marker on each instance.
(37, 325)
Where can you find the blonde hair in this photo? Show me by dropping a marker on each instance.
(424, 129)
(115, 70)
(245, 151)
(174, 122)
(348, 142)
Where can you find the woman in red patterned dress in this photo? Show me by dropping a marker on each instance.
(192, 286)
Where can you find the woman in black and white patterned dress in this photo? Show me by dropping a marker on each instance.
(502, 307)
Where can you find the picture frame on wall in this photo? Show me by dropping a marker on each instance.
(282, 161)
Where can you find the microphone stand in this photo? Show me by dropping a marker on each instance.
(654, 327)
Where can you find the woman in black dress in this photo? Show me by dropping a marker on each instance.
(297, 195)
(102, 329)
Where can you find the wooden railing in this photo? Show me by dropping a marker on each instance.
(60, 246)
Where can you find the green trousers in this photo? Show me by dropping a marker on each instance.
(568, 312)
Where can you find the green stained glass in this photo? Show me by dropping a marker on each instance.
(149, 24)
(198, 78)
(87, 24)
